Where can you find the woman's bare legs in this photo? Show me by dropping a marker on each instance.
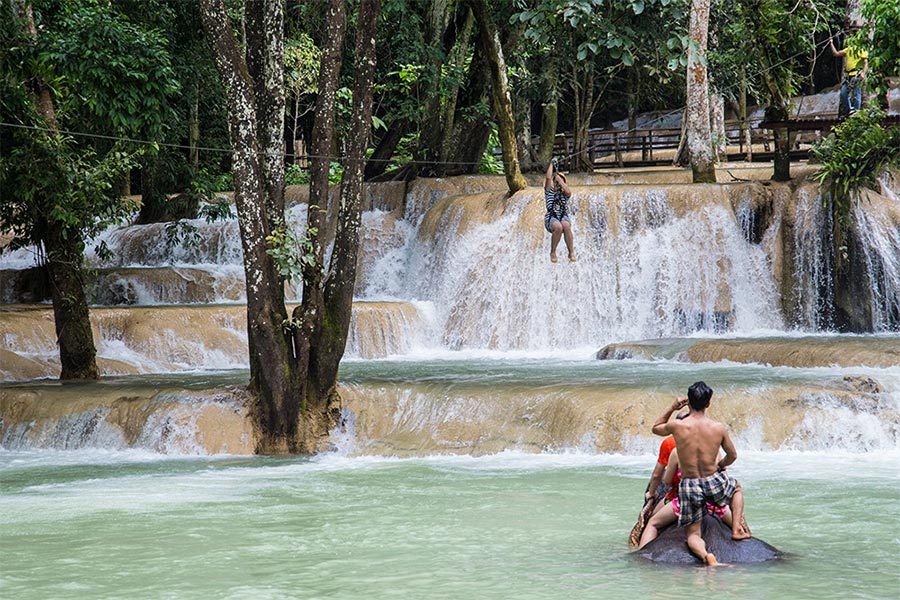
(556, 231)
(660, 520)
(570, 241)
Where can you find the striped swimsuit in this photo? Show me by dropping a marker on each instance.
(557, 207)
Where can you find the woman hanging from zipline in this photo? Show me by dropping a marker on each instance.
(556, 220)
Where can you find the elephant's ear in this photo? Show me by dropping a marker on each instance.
(638, 530)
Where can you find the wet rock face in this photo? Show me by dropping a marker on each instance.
(671, 546)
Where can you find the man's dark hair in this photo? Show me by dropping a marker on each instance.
(699, 395)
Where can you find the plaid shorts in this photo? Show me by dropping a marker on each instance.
(693, 494)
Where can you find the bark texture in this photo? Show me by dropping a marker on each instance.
(698, 128)
(272, 377)
(782, 143)
(342, 271)
(717, 126)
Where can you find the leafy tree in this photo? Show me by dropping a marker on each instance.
(196, 117)
(857, 152)
(598, 40)
(776, 37)
(881, 39)
(293, 361)
(76, 66)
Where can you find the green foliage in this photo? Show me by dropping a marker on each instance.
(768, 40)
(107, 76)
(291, 252)
(301, 64)
(855, 155)
(297, 175)
(48, 178)
(881, 39)
(490, 163)
(628, 32)
(107, 72)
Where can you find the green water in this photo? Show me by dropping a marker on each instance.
(98, 524)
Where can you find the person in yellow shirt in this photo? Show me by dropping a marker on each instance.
(856, 63)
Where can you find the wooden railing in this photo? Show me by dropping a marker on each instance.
(620, 147)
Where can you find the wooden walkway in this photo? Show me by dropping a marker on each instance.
(609, 148)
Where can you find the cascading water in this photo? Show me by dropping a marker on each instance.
(455, 273)
(814, 280)
(646, 268)
(880, 240)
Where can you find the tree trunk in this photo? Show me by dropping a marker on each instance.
(431, 117)
(632, 83)
(381, 156)
(746, 135)
(469, 137)
(272, 374)
(550, 113)
(584, 112)
(682, 157)
(782, 147)
(491, 46)
(717, 126)
(194, 127)
(468, 140)
(524, 148)
(448, 120)
(65, 253)
(309, 313)
(342, 272)
(698, 131)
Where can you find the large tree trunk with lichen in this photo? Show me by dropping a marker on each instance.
(64, 248)
(293, 363)
(274, 378)
(502, 102)
(698, 129)
(717, 127)
(309, 315)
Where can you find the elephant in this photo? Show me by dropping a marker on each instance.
(671, 546)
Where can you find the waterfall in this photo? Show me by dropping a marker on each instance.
(450, 414)
(814, 279)
(877, 223)
(654, 261)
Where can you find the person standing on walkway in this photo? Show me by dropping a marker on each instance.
(856, 64)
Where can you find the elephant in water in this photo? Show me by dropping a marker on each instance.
(671, 546)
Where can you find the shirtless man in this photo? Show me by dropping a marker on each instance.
(703, 478)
